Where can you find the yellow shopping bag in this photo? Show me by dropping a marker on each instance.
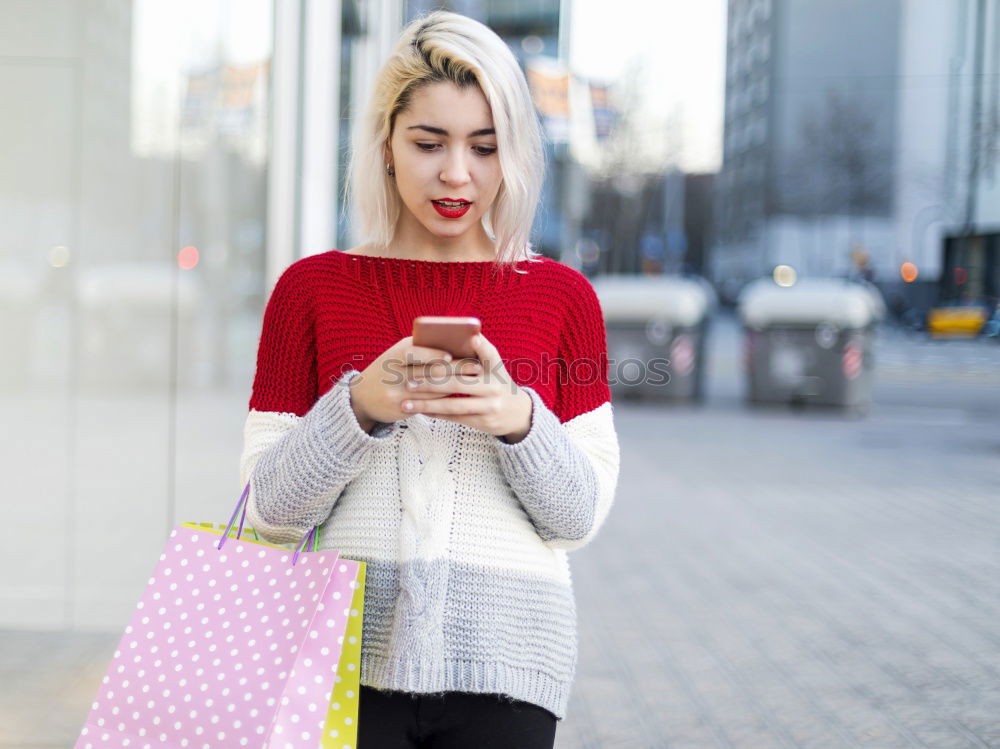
(342, 718)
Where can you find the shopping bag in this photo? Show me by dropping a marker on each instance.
(234, 642)
(341, 728)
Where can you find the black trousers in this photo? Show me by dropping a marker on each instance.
(454, 720)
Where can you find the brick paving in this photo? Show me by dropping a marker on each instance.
(767, 578)
(773, 578)
(793, 585)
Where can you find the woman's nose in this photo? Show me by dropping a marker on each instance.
(456, 170)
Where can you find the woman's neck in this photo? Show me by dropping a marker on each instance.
(413, 242)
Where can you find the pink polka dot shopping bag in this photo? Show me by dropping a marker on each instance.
(236, 642)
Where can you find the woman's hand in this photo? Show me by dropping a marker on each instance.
(495, 404)
(378, 392)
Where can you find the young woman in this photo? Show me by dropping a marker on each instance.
(462, 507)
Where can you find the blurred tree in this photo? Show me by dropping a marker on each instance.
(843, 168)
(641, 142)
(640, 149)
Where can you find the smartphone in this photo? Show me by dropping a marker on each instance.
(451, 334)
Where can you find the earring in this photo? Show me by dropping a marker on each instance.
(389, 170)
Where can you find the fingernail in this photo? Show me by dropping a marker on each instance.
(407, 405)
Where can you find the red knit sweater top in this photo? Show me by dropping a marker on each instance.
(334, 311)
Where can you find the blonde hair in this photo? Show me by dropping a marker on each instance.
(444, 46)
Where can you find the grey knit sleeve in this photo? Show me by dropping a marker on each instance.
(298, 467)
(554, 478)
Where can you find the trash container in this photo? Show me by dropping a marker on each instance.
(656, 330)
(810, 342)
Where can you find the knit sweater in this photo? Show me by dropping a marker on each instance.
(465, 536)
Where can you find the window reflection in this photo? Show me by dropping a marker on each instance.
(133, 194)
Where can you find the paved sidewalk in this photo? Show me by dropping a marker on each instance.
(793, 581)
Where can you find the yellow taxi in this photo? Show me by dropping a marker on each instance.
(956, 320)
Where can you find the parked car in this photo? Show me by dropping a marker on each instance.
(965, 318)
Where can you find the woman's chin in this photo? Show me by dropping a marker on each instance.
(449, 228)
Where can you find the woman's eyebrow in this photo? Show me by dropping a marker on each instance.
(442, 131)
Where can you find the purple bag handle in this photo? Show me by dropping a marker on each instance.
(313, 534)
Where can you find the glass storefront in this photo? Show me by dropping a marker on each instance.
(133, 190)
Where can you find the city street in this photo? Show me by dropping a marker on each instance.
(768, 577)
(179, 182)
(800, 579)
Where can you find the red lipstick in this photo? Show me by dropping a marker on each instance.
(452, 207)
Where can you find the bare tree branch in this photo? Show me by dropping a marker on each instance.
(842, 166)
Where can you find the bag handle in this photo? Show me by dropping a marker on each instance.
(312, 534)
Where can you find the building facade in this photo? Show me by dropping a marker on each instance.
(162, 164)
(947, 187)
(868, 130)
(810, 116)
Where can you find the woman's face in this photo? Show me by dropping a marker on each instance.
(444, 151)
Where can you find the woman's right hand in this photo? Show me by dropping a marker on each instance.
(378, 392)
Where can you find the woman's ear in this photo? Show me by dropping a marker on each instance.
(387, 154)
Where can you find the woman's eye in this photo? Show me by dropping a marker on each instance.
(485, 150)
(427, 146)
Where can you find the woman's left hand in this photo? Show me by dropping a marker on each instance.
(495, 404)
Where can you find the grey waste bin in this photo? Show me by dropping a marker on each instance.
(656, 329)
(810, 342)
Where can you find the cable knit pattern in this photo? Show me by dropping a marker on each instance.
(465, 535)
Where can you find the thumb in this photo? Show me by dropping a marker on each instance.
(485, 350)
